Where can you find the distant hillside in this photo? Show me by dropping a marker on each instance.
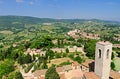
(19, 21)
(24, 19)
(6, 22)
(34, 20)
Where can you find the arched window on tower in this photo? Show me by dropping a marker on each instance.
(99, 55)
(107, 54)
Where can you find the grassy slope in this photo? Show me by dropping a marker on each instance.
(117, 64)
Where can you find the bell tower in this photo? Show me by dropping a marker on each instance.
(103, 59)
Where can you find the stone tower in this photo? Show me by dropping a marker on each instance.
(103, 59)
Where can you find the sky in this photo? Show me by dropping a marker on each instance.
(63, 9)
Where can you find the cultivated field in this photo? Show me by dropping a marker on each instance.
(58, 61)
(6, 32)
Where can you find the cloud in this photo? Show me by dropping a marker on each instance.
(19, 1)
(32, 2)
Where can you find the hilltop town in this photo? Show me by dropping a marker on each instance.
(59, 49)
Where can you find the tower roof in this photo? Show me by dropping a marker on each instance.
(104, 43)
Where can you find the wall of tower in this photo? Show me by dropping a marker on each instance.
(102, 64)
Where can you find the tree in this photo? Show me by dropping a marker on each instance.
(67, 50)
(13, 75)
(18, 75)
(52, 74)
(80, 40)
(44, 66)
(6, 67)
(62, 44)
(89, 48)
(71, 39)
(113, 56)
(24, 59)
(58, 42)
(28, 58)
(71, 56)
(64, 54)
(112, 65)
(33, 57)
(58, 55)
(20, 60)
(118, 53)
(50, 53)
(78, 59)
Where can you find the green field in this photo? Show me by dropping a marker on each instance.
(117, 64)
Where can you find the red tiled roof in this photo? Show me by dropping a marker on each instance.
(67, 67)
(77, 73)
(59, 69)
(40, 72)
(76, 63)
(91, 75)
(42, 78)
(62, 76)
(114, 74)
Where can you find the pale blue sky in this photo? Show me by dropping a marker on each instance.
(81, 9)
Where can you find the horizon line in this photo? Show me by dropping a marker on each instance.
(64, 18)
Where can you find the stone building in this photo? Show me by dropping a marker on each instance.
(103, 59)
(90, 69)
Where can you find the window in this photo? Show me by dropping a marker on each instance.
(107, 54)
(99, 55)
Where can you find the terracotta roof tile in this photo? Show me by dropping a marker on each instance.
(67, 67)
(91, 75)
(114, 74)
(39, 72)
(77, 73)
(62, 76)
(59, 69)
(76, 64)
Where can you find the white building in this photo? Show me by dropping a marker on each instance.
(103, 59)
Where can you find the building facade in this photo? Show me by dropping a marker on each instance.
(103, 59)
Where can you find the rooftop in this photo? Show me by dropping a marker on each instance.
(76, 64)
(62, 76)
(87, 63)
(114, 74)
(91, 75)
(77, 74)
(67, 67)
(59, 69)
(39, 72)
(104, 43)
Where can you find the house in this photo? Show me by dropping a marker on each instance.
(36, 51)
(76, 65)
(60, 70)
(87, 66)
(74, 74)
(39, 74)
(116, 45)
(90, 69)
(91, 75)
(67, 68)
(114, 75)
(66, 72)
